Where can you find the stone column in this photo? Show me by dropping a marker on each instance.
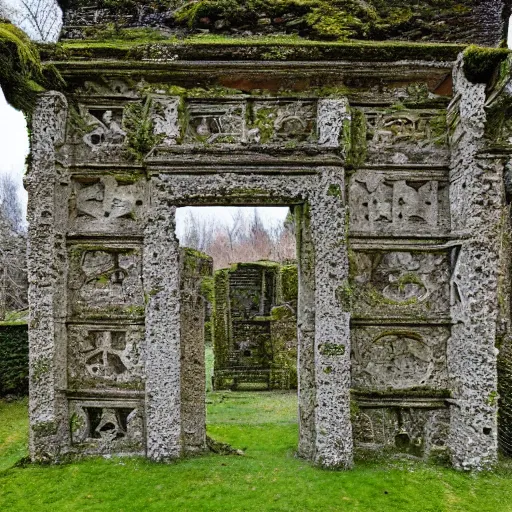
(476, 201)
(47, 263)
(333, 443)
(306, 333)
(162, 292)
(193, 269)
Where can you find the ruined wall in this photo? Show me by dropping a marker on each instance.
(494, 156)
(92, 371)
(13, 358)
(398, 249)
(399, 280)
(256, 339)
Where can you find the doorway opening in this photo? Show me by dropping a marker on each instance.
(250, 321)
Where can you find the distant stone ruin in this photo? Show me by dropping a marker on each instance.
(255, 326)
(395, 158)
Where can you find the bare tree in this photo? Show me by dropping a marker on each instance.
(13, 270)
(233, 230)
(244, 239)
(199, 233)
(10, 206)
(40, 19)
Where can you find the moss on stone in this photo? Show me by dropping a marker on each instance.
(334, 190)
(138, 124)
(357, 151)
(250, 48)
(334, 19)
(481, 63)
(262, 121)
(21, 72)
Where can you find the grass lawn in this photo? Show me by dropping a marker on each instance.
(268, 477)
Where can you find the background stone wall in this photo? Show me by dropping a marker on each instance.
(13, 360)
(255, 304)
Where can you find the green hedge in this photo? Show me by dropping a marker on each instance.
(13, 359)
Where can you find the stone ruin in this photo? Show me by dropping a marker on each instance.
(255, 326)
(396, 161)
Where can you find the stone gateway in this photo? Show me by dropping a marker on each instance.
(395, 158)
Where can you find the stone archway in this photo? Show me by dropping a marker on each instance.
(384, 188)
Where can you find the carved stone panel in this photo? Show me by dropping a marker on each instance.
(107, 204)
(105, 281)
(105, 357)
(283, 121)
(107, 426)
(98, 127)
(165, 118)
(215, 122)
(399, 357)
(407, 430)
(384, 202)
(420, 128)
(402, 284)
(401, 136)
(96, 133)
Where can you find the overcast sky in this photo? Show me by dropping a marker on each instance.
(13, 145)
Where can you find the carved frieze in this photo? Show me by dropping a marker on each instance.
(120, 129)
(215, 122)
(383, 202)
(418, 128)
(400, 284)
(107, 203)
(105, 281)
(407, 430)
(107, 426)
(105, 357)
(282, 121)
(399, 357)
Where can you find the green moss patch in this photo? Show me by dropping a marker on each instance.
(317, 18)
(481, 63)
(22, 76)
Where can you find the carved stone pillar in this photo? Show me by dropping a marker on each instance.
(47, 264)
(162, 291)
(476, 200)
(333, 440)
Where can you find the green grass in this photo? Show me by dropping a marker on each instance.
(268, 478)
(13, 433)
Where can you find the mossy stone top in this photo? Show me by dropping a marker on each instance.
(481, 22)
